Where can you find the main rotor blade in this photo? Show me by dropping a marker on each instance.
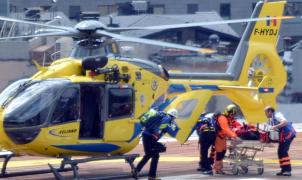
(199, 24)
(36, 24)
(47, 30)
(154, 42)
(63, 33)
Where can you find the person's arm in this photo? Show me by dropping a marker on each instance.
(168, 126)
(283, 121)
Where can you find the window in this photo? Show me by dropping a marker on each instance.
(67, 107)
(185, 108)
(225, 10)
(157, 9)
(192, 8)
(293, 9)
(32, 103)
(107, 9)
(46, 8)
(12, 8)
(120, 102)
(74, 12)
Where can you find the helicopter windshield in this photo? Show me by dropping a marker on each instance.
(87, 48)
(31, 106)
(12, 88)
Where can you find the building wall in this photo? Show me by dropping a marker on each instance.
(11, 71)
(8, 50)
(296, 70)
(4, 8)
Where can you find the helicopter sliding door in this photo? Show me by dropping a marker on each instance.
(119, 111)
(91, 111)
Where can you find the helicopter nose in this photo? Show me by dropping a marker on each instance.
(11, 136)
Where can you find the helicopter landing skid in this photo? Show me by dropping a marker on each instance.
(7, 155)
(129, 158)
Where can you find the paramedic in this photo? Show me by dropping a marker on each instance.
(224, 122)
(286, 135)
(206, 130)
(153, 131)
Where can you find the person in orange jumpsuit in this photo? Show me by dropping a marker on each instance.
(224, 131)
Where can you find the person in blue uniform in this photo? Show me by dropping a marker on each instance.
(206, 130)
(154, 129)
(286, 136)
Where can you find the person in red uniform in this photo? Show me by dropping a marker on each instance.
(224, 131)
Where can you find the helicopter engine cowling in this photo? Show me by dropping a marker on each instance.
(94, 62)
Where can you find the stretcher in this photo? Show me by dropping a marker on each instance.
(241, 157)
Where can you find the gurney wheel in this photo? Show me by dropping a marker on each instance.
(235, 170)
(244, 170)
(260, 170)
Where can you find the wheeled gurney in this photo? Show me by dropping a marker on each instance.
(241, 156)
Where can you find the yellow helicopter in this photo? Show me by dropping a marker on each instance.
(89, 103)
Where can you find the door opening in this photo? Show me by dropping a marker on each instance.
(91, 125)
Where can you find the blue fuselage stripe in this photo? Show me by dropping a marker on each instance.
(96, 148)
(137, 131)
(208, 87)
(176, 88)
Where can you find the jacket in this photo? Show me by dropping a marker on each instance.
(224, 130)
(162, 124)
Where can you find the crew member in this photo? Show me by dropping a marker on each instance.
(223, 132)
(206, 129)
(162, 123)
(286, 135)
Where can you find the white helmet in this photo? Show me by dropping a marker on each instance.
(173, 112)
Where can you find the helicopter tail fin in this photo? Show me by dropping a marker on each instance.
(262, 68)
(259, 38)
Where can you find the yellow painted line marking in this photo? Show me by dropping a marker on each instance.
(41, 162)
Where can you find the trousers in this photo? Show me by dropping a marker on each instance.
(151, 152)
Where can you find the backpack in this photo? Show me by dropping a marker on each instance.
(149, 118)
(217, 125)
(209, 123)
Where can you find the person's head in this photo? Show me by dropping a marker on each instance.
(207, 117)
(173, 113)
(231, 111)
(269, 111)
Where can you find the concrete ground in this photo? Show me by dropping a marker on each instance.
(179, 162)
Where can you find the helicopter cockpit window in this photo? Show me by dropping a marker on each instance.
(120, 102)
(10, 90)
(32, 106)
(67, 106)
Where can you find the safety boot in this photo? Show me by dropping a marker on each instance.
(200, 169)
(287, 173)
(210, 172)
(284, 173)
(219, 172)
(153, 178)
(134, 173)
